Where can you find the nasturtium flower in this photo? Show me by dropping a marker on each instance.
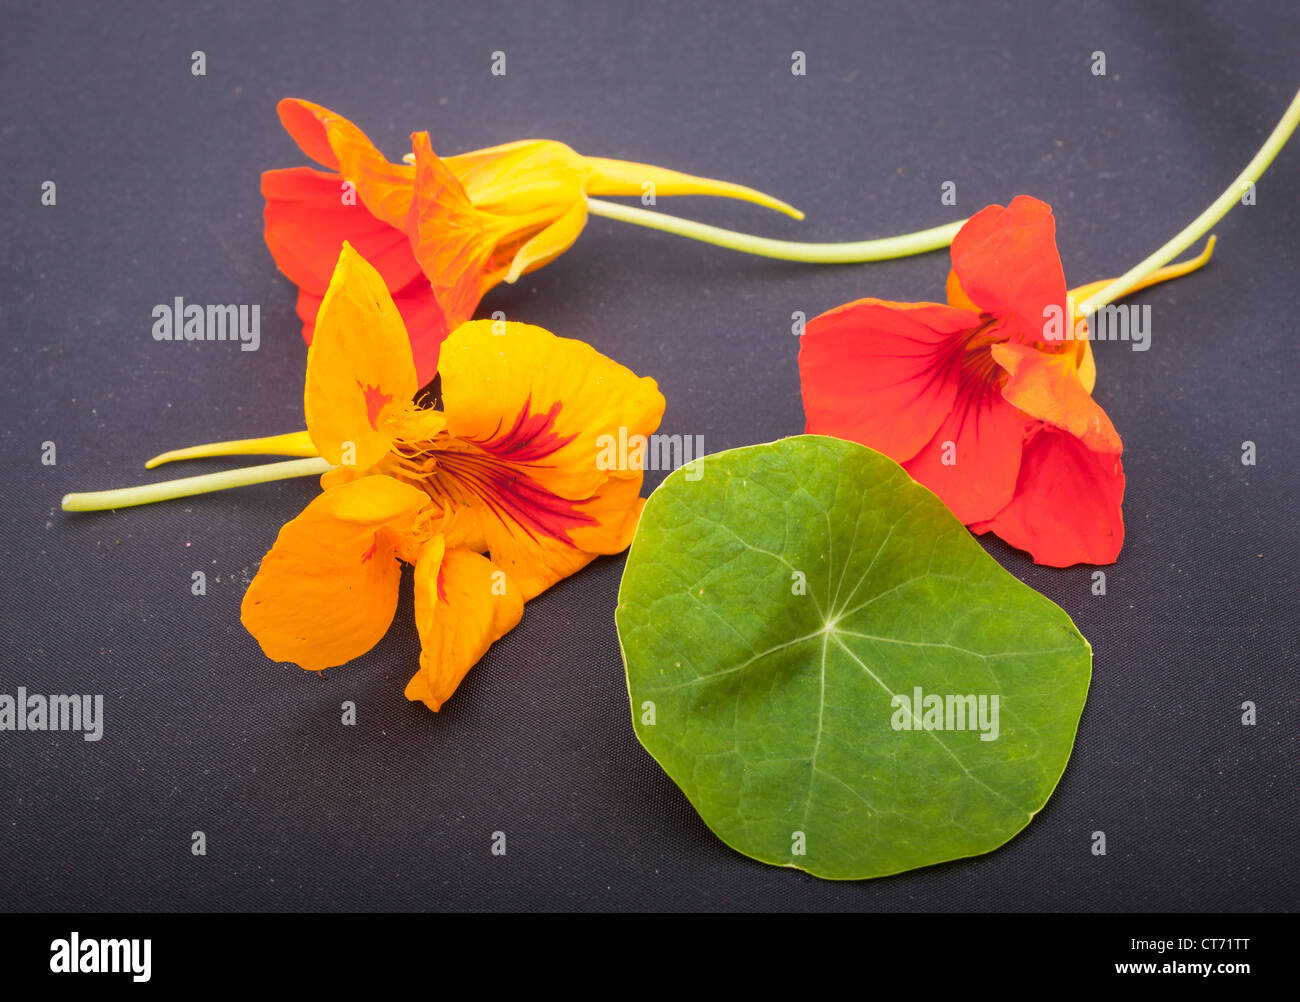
(493, 497)
(441, 231)
(980, 399)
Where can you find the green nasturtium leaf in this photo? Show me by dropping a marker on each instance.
(777, 599)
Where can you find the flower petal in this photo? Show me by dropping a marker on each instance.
(883, 374)
(449, 237)
(531, 419)
(521, 177)
(1047, 386)
(973, 459)
(307, 221)
(327, 590)
(543, 404)
(463, 604)
(550, 243)
(1006, 261)
(385, 188)
(359, 367)
(1067, 505)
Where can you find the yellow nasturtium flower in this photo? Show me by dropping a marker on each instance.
(493, 497)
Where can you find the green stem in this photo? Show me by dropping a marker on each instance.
(787, 250)
(1202, 223)
(127, 497)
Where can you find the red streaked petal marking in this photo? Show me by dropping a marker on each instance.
(530, 438)
(509, 494)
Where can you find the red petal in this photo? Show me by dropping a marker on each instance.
(306, 225)
(307, 222)
(308, 307)
(981, 441)
(426, 325)
(882, 373)
(1067, 504)
(1006, 261)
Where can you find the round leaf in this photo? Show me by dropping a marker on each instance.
(783, 608)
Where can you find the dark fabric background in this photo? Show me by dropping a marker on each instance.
(157, 175)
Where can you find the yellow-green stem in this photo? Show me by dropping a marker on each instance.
(882, 249)
(1202, 223)
(128, 497)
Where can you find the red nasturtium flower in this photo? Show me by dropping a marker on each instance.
(441, 231)
(980, 399)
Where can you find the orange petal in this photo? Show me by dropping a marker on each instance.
(1047, 386)
(463, 604)
(1067, 504)
(449, 237)
(326, 591)
(957, 295)
(1005, 260)
(385, 188)
(883, 374)
(359, 367)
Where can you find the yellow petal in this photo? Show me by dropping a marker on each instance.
(546, 405)
(551, 242)
(1087, 367)
(463, 604)
(360, 374)
(326, 591)
(540, 465)
(521, 177)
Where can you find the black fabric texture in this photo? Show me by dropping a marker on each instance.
(157, 175)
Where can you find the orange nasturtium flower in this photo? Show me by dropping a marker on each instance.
(986, 400)
(441, 231)
(493, 497)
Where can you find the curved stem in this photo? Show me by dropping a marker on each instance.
(786, 250)
(127, 497)
(1202, 223)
